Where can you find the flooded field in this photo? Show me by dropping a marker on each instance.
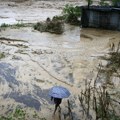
(35, 61)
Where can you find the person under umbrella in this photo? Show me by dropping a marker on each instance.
(57, 93)
(57, 102)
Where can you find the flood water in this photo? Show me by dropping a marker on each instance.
(34, 61)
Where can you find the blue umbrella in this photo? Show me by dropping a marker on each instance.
(59, 92)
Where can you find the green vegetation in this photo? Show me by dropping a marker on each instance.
(98, 100)
(103, 3)
(96, 103)
(59, 18)
(53, 26)
(4, 25)
(115, 2)
(17, 25)
(20, 114)
(89, 2)
(2, 55)
(72, 14)
(113, 59)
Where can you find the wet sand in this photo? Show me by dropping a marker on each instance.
(37, 61)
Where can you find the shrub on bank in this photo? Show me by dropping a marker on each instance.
(53, 26)
(72, 14)
(4, 25)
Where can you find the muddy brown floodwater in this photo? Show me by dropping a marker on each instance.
(37, 61)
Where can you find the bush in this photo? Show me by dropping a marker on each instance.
(59, 18)
(72, 14)
(103, 3)
(4, 25)
(113, 59)
(19, 25)
(40, 27)
(53, 26)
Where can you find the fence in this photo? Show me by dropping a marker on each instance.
(101, 17)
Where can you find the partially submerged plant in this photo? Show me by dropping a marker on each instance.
(97, 103)
(59, 18)
(19, 24)
(53, 26)
(4, 25)
(113, 59)
(103, 3)
(72, 14)
(20, 114)
(2, 55)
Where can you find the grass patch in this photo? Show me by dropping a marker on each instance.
(20, 114)
(17, 25)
